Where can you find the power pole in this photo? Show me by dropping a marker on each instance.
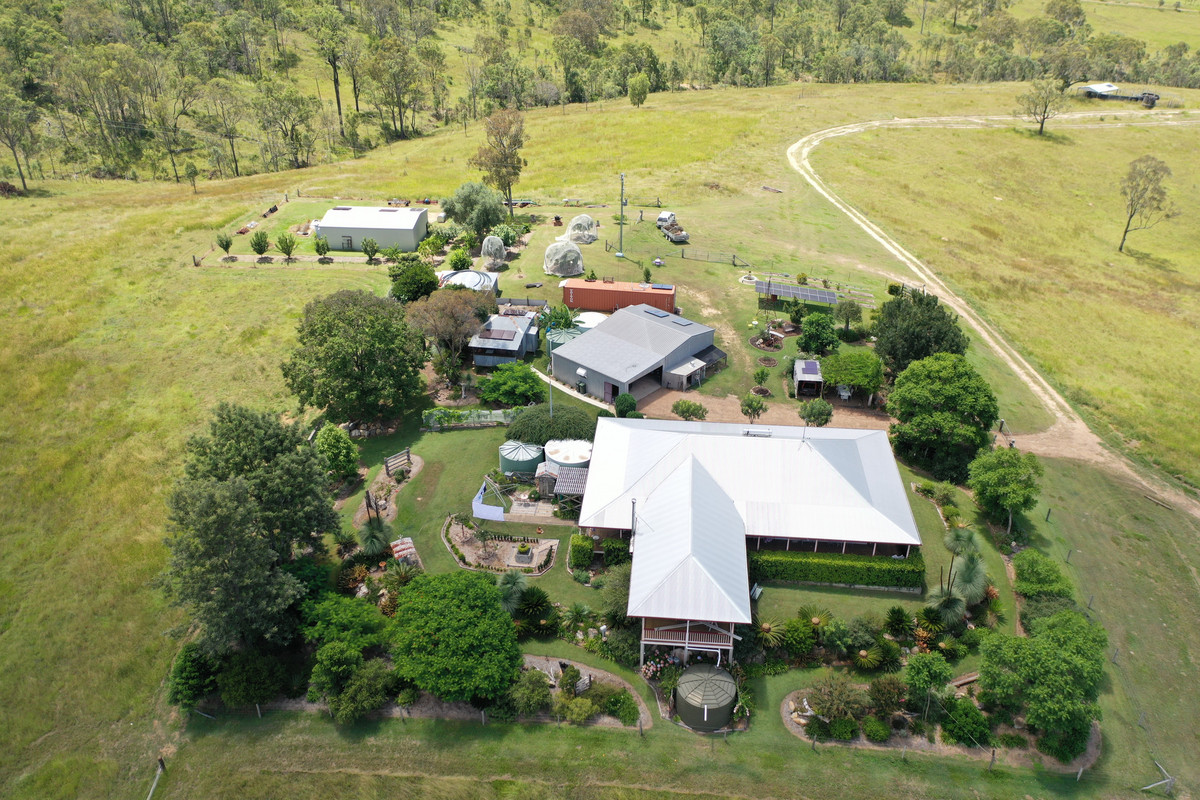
(621, 221)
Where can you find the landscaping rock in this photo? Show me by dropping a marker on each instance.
(791, 706)
(593, 633)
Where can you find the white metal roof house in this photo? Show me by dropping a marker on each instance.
(345, 227)
(638, 349)
(695, 495)
(504, 339)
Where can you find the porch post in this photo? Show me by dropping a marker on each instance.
(642, 654)
(907, 549)
(843, 548)
(874, 547)
(787, 544)
(759, 545)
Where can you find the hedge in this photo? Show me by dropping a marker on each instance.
(1039, 576)
(581, 551)
(775, 565)
(616, 551)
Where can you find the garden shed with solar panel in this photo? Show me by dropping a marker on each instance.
(639, 350)
(807, 374)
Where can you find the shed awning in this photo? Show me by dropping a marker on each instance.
(711, 354)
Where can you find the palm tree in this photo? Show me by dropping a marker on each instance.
(534, 603)
(374, 537)
(947, 601)
(972, 580)
(870, 658)
(818, 616)
(399, 574)
(511, 585)
(577, 615)
(930, 620)
(345, 542)
(961, 541)
(770, 631)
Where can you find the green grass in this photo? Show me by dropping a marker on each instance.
(113, 350)
(1038, 257)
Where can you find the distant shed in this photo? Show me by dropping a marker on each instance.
(807, 374)
(613, 295)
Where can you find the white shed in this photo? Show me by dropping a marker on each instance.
(345, 227)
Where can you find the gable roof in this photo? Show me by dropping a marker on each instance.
(831, 484)
(686, 532)
(373, 217)
(502, 326)
(631, 341)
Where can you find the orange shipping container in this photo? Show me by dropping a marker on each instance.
(603, 296)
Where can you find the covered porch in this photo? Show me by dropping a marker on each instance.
(690, 635)
(881, 549)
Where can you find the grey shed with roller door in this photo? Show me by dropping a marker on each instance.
(705, 697)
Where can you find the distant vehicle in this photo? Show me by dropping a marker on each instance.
(1109, 91)
(665, 218)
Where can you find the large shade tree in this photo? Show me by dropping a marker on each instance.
(499, 157)
(913, 326)
(450, 317)
(475, 206)
(858, 368)
(357, 357)
(1005, 481)
(222, 570)
(944, 411)
(453, 639)
(287, 479)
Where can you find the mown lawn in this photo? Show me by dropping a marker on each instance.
(113, 350)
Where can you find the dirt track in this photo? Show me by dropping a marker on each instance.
(1069, 436)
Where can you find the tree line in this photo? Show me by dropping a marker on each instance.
(113, 88)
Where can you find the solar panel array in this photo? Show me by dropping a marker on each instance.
(805, 293)
(504, 336)
(811, 368)
(666, 286)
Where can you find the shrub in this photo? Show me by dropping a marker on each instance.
(1012, 740)
(616, 551)
(579, 710)
(580, 576)
(818, 729)
(945, 493)
(506, 233)
(460, 259)
(339, 450)
(624, 404)
(635, 415)
(837, 697)
(844, 729)
(224, 241)
(581, 551)
(368, 690)
(952, 515)
(887, 694)
(407, 696)
(774, 565)
(535, 426)
(965, 724)
(531, 693)
(624, 707)
(799, 637)
(1038, 576)
(876, 730)
(566, 682)
(513, 384)
(668, 679)
(321, 246)
(1039, 608)
(689, 410)
(249, 678)
(899, 622)
(192, 677)
(925, 488)
(623, 646)
(370, 247)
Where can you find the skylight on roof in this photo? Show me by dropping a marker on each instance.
(681, 321)
(656, 312)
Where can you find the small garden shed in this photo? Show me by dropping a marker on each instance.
(705, 697)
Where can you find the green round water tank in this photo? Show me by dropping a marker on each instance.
(560, 336)
(705, 697)
(520, 457)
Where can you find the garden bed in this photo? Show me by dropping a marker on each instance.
(496, 552)
(770, 345)
(385, 488)
(767, 361)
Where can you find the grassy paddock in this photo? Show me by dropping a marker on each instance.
(1038, 257)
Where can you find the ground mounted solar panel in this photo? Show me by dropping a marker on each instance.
(791, 290)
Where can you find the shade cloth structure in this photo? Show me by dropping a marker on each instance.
(493, 252)
(564, 259)
(582, 230)
(705, 697)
